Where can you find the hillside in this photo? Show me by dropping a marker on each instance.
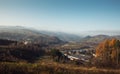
(98, 38)
(22, 34)
(50, 67)
(64, 36)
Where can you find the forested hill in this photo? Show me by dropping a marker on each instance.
(19, 33)
(23, 34)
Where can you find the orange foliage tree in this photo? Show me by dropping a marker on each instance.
(108, 51)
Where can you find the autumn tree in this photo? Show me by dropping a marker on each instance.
(108, 52)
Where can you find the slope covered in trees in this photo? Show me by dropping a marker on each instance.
(14, 51)
(23, 34)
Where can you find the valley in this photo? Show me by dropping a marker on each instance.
(20, 46)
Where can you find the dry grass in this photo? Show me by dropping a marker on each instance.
(47, 66)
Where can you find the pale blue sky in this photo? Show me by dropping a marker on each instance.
(72, 16)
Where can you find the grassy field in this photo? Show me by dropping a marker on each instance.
(47, 66)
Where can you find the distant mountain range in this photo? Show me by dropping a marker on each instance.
(63, 36)
(21, 33)
(98, 38)
(104, 32)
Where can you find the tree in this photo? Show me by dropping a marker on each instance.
(108, 52)
(56, 54)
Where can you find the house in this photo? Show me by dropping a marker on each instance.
(71, 57)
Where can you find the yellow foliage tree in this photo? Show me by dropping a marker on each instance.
(109, 51)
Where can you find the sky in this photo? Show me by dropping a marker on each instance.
(73, 16)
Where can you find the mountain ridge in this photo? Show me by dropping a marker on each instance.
(61, 35)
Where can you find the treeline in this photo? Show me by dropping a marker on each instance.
(6, 42)
(58, 56)
(15, 51)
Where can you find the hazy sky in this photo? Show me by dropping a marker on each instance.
(61, 15)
